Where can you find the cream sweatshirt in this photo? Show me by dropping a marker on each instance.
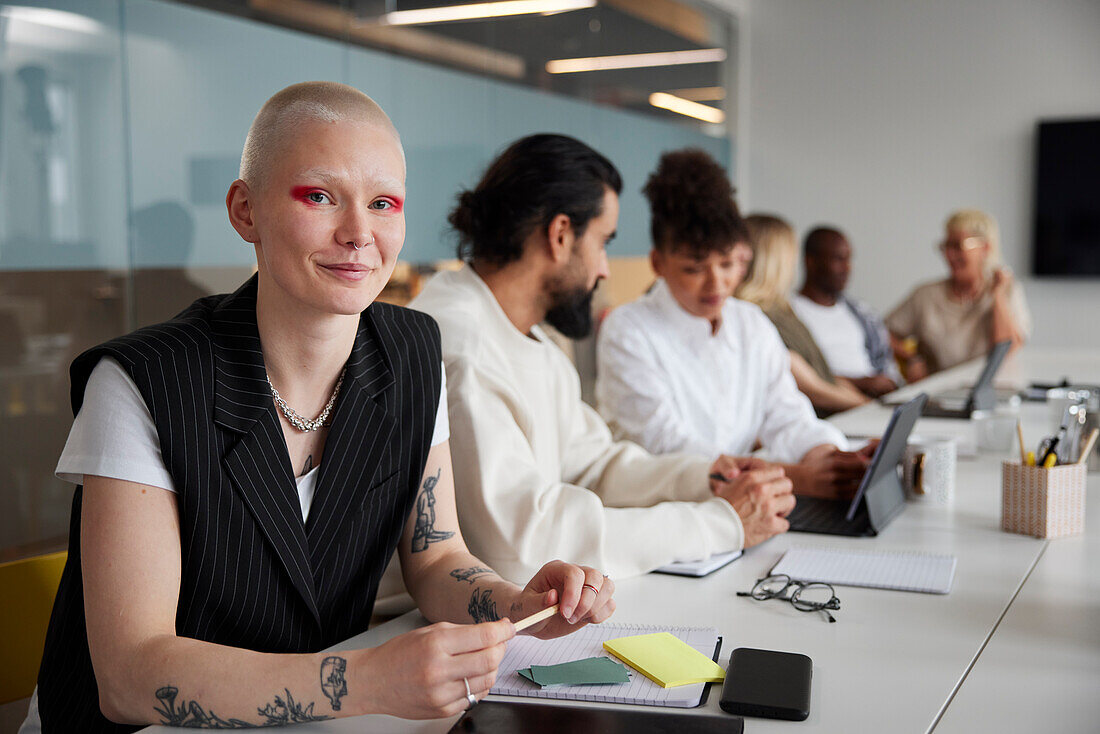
(537, 473)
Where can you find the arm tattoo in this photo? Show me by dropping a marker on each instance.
(193, 716)
(469, 574)
(482, 608)
(424, 532)
(333, 682)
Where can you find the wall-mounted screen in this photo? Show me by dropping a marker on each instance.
(1066, 228)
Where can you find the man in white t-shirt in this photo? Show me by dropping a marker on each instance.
(852, 337)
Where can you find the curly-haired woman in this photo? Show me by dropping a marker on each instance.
(688, 368)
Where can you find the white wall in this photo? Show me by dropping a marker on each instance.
(882, 116)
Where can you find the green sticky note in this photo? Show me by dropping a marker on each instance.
(590, 671)
(666, 660)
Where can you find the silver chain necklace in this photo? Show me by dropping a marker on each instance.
(299, 421)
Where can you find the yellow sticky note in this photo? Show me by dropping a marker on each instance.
(665, 659)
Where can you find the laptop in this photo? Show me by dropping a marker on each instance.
(880, 497)
(961, 403)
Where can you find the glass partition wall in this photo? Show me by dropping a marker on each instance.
(122, 121)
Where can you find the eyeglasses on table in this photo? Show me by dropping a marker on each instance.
(805, 596)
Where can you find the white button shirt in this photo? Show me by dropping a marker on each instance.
(666, 382)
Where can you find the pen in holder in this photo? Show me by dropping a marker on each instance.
(1045, 503)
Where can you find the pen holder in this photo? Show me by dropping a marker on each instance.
(1045, 503)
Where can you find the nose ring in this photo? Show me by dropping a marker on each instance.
(360, 247)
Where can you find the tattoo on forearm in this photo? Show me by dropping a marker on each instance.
(424, 532)
(289, 712)
(469, 574)
(482, 608)
(333, 682)
(193, 716)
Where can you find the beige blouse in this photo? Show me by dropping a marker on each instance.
(949, 332)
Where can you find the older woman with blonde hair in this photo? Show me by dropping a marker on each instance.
(959, 318)
(768, 283)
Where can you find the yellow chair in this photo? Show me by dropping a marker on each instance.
(29, 588)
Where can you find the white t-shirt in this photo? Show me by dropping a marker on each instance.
(838, 333)
(114, 436)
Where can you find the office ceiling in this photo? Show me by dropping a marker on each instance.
(517, 47)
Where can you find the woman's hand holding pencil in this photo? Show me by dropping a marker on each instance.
(579, 595)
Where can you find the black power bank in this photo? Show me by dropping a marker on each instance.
(774, 685)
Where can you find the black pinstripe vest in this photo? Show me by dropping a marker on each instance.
(290, 587)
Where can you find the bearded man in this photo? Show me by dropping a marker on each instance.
(537, 472)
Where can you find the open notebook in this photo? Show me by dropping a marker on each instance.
(524, 651)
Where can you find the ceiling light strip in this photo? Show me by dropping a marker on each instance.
(700, 94)
(60, 19)
(476, 11)
(636, 61)
(682, 106)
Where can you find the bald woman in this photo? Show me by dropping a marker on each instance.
(246, 470)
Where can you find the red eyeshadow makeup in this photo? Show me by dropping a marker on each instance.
(302, 193)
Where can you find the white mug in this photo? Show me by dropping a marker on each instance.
(929, 470)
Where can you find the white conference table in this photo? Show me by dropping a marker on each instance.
(1018, 634)
(1041, 668)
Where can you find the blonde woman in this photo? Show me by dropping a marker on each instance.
(768, 283)
(959, 318)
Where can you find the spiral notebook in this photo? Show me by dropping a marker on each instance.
(902, 571)
(525, 651)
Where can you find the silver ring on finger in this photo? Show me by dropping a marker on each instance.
(470, 699)
(590, 586)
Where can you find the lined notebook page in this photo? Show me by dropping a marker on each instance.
(902, 571)
(524, 651)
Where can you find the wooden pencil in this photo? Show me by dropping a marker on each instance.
(1087, 449)
(536, 618)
